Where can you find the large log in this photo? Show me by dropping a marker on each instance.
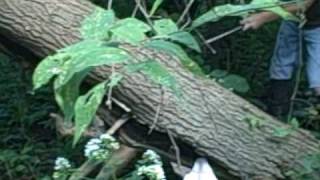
(209, 118)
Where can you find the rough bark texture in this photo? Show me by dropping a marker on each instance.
(210, 118)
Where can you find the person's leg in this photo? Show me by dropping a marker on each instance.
(312, 42)
(283, 65)
(317, 91)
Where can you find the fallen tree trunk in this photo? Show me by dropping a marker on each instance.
(210, 118)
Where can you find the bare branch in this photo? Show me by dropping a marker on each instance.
(110, 4)
(85, 169)
(176, 148)
(109, 101)
(223, 35)
(144, 12)
(135, 10)
(121, 105)
(119, 160)
(212, 50)
(158, 111)
(68, 130)
(118, 124)
(185, 11)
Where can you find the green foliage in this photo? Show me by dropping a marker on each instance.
(91, 56)
(254, 122)
(186, 39)
(231, 81)
(177, 51)
(67, 95)
(31, 155)
(157, 73)
(165, 27)
(28, 138)
(216, 13)
(284, 132)
(103, 20)
(70, 65)
(76, 62)
(47, 69)
(218, 73)
(235, 82)
(130, 30)
(85, 109)
(101, 31)
(277, 10)
(307, 170)
(155, 6)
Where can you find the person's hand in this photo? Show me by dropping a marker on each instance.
(254, 21)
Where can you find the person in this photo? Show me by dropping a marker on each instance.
(285, 59)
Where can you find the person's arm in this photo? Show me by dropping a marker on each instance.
(255, 21)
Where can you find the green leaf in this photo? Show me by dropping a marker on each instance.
(186, 39)
(130, 30)
(47, 69)
(165, 27)
(97, 25)
(155, 6)
(85, 109)
(283, 13)
(277, 10)
(294, 123)
(90, 57)
(282, 132)
(82, 47)
(221, 11)
(67, 94)
(176, 51)
(235, 82)
(218, 73)
(157, 73)
(254, 122)
(57, 65)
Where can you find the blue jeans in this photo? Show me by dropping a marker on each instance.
(286, 54)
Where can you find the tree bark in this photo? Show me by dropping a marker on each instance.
(209, 118)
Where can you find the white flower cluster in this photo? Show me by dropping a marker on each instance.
(151, 157)
(101, 148)
(153, 172)
(151, 166)
(62, 164)
(61, 168)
